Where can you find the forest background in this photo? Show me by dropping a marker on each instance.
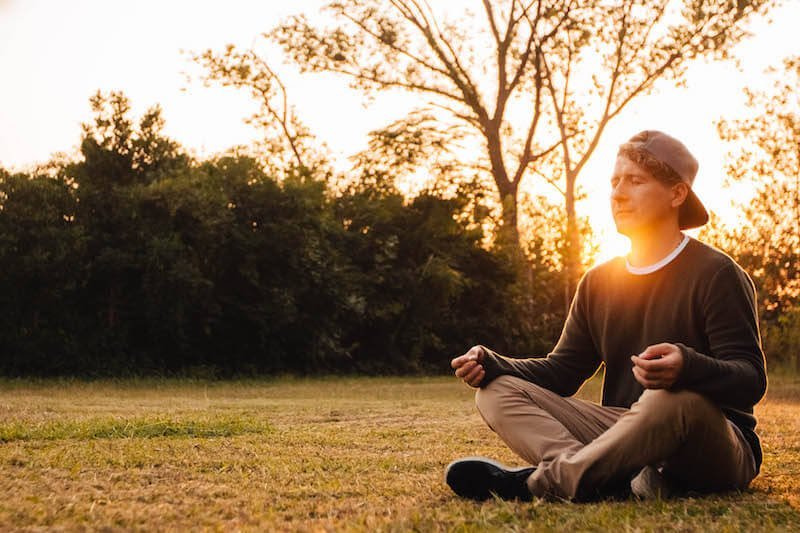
(134, 256)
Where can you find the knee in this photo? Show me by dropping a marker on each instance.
(489, 399)
(668, 401)
(666, 406)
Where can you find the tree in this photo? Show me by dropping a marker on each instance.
(611, 53)
(278, 271)
(134, 259)
(40, 251)
(473, 76)
(118, 158)
(765, 153)
(423, 287)
(288, 145)
(525, 79)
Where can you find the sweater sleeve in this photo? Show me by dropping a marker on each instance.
(573, 360)
(733, 372)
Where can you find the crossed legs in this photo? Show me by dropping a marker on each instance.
(582, 449)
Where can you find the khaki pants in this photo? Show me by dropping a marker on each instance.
(583, 450)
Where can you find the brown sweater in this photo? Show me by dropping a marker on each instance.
(701, 301)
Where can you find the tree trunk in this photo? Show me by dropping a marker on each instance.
(572, 244)
(508, 235)
(509, 241)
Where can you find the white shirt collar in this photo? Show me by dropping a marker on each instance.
(639, 271)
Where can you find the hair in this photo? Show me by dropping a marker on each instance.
(660, 170)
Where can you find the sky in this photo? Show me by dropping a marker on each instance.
(54, 55)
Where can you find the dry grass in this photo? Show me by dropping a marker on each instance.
(321, 454)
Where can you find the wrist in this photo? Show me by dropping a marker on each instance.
(686, 362)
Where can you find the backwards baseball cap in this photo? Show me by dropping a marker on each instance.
(676, 156)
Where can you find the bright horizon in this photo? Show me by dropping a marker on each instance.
(51, 56)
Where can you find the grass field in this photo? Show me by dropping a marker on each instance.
(318, 454)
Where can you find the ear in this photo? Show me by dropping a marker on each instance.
(679, 193)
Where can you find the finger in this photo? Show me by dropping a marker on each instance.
(664, 364)
(477, 380)
(657, 350)
(461, 359)
(642, 379)
(638, 377)
(648, 364)
(474, 372)
(464, 369)
(458, 361)
(660, 375)
(672, 357)
(669, 365)
(648, 381)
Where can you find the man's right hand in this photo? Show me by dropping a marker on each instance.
(469, 366)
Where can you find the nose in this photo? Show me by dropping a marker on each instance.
(618, 193)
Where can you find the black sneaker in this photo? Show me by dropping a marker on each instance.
(477, 478)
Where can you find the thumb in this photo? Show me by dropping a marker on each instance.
(475, 353)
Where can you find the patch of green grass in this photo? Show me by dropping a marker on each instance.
(363, 454)
(129, 428)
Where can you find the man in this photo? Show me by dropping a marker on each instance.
(675, 326)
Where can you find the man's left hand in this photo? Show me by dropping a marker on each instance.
(659, 366)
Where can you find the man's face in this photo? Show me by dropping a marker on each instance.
(639, 201)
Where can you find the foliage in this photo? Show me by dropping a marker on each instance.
(136, 259)
(289, 143)
(40, 251)
(765, 153)
(782, 339)
(426, 288)
(511, 76)
(609, 54)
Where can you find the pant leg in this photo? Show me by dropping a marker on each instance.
(733, 467)
(683, 430)
(538, 424)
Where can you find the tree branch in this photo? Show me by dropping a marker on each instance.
(492, 25)
(472, 121)
(391, 46)
(550, 180)
(454, 71)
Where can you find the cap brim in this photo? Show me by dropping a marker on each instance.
(692, 213)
